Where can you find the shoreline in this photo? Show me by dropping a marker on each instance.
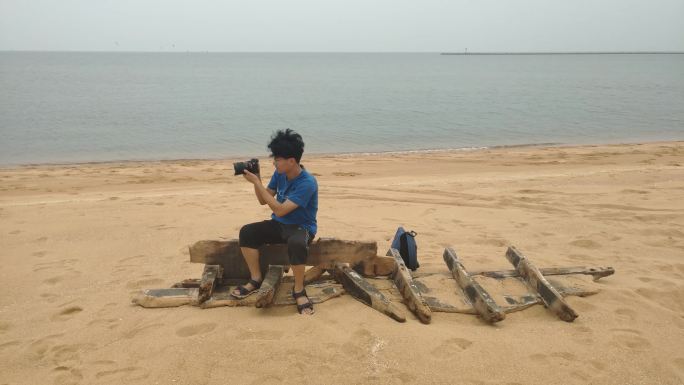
(350, 154)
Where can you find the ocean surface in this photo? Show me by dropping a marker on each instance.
(87, 107)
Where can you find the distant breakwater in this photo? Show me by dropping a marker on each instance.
(569, 53)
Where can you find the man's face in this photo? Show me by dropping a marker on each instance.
(283, 165)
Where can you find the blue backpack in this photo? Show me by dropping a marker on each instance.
(405, 242)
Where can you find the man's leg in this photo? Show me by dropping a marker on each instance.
(252, 236)
(298, 251)
(252, 260)
(298, 271)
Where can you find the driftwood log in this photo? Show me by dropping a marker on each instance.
(266, 292)
(596, 272)
(404, 282)
(536, 281)
(179, 296)
(364, 291)
(348, 262)
(482, 302)
(210, 276)
(323, 255)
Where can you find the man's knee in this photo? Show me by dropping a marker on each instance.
(248, 236)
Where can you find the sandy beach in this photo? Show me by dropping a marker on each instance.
(79, 241)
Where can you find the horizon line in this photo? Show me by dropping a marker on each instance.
(463, 53)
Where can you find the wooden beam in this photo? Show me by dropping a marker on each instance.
(483, 303)
(536, 281)
(313, 274)
(165, 297)
(515, 302)
(408, 289)
(325, 252)
(211, 274)
(269, 286)
(378, 266)
(365, 292)
(596, 272)
(187, 283)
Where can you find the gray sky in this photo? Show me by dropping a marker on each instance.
(342, 25)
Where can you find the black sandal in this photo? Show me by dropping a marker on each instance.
(307, 305)
(245, 292)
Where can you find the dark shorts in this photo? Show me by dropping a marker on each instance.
(255, 235)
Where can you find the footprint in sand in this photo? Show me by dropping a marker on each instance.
(630, 339)
(109, 323)
(598, 365)
(583, 336)
(192, 330)
(67, 375)
(67, 313)
(62, 277)
(586, 243)
(358, 344)
(15, 232)
(67, 354)
(129, 373)
(632, 191)
(39, 254)
(451, 346)
(566, 356)
(625, 314)
(63, 264)
(39, 347)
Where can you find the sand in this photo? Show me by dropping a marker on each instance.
(78, 241)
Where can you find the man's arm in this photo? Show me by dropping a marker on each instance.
(261, 200)
(266, 196)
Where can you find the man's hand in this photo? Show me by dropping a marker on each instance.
(252, 178)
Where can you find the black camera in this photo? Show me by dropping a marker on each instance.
(251, 165)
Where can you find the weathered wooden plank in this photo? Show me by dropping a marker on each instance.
(268, 288)
(325, 252)
(365, 292)
(211, 274)
(408, 289)
(187, 283)
(596, 272)
(374, 267)
(515, 303)
(313, 274)
(165, 297)
(536, 281)
(483, 303)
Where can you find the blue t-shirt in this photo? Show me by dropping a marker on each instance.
(302, 190)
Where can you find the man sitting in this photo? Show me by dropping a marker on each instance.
(292, 195)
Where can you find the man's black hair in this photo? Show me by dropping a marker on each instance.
(286, 144)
